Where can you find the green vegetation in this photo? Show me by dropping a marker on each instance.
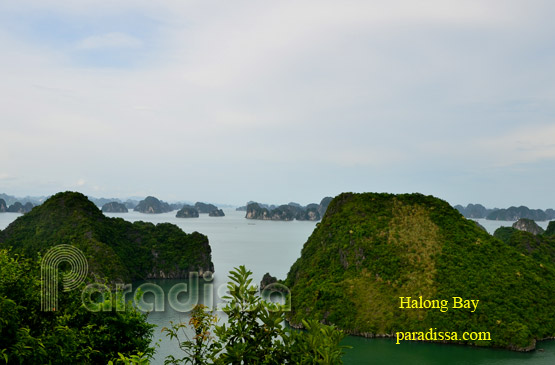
(550, 229)
(115, 249)
(371, 249)
(541, 247)
(119, 250)
(69, 335)
(254, 334)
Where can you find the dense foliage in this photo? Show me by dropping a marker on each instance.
(550, 231)
(253, 334)
(371, 249)
(540, 247)
(70, 334)
(115, 249)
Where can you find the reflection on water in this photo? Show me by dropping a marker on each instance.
(175, 295)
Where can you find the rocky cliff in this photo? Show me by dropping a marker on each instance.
(255, 211)
(216, 213)
(204, 208)
(152, 205)
(528, 225)
(187, 212)
(287, 212)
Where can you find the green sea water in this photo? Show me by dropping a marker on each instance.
(385, 351)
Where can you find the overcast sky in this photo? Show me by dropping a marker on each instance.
(278, 101)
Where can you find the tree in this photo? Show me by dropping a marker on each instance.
(71, 333)
(254, 333)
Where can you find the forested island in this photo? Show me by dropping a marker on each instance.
(371, 249)
(115, 248)
(116, 251)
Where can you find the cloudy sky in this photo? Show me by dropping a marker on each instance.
(278, 101)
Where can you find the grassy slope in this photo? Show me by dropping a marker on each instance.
(370, 249)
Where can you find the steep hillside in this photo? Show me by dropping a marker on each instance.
(115, 248)
(371, 249)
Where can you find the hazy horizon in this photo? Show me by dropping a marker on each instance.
(279, 102)
(236, 205)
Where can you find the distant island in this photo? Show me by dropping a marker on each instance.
(477, 211)
(371, 249)
(148, 205)
(210, 209)
(114, 207)
(204, 208)
(100, 202)
(16, 207)
(116, 249)
(287, 212)
(152, 205)
(187, 212)
(216, 213)
(10, 199)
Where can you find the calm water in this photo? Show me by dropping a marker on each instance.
(266, 246)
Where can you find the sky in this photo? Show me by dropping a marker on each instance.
(231, 101)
